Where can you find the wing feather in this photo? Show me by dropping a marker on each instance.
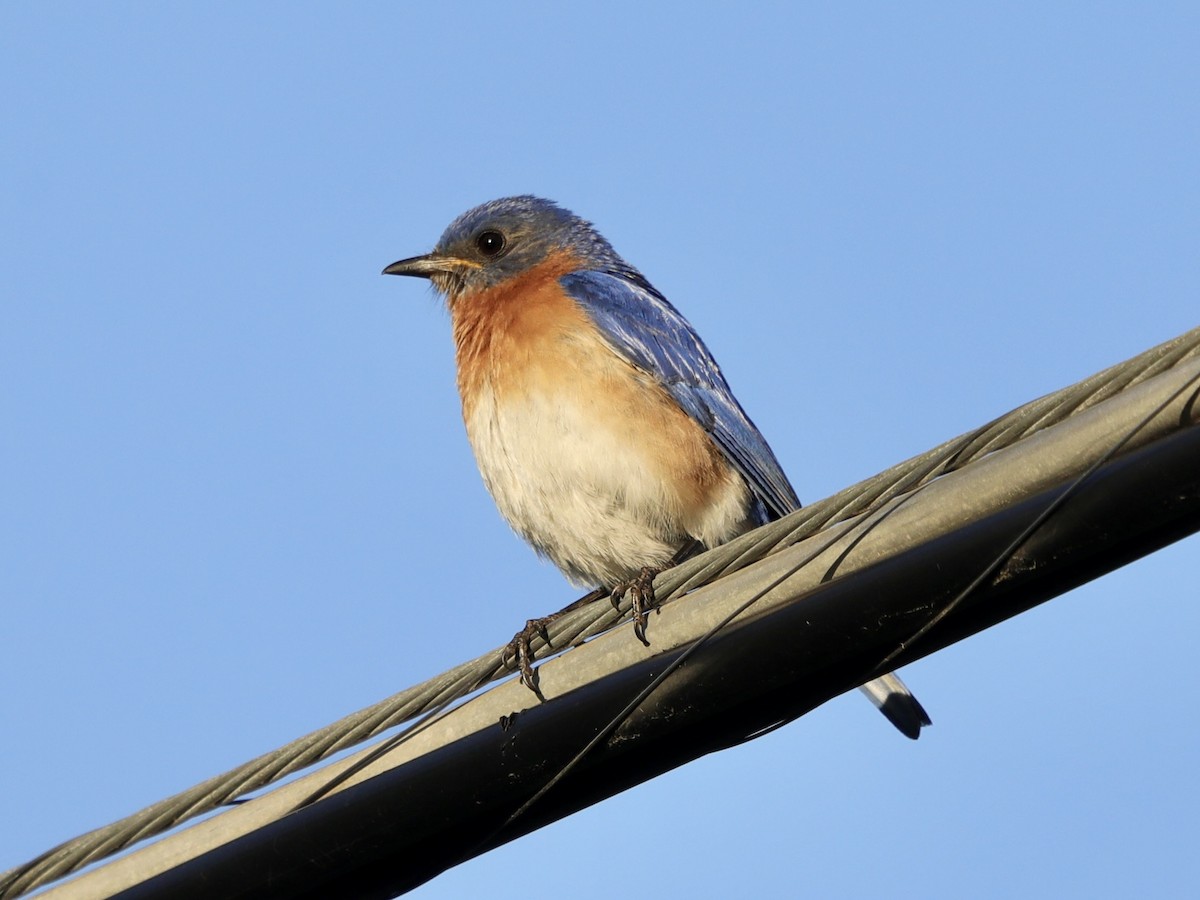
(647, 330)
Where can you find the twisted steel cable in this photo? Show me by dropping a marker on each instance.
(462, 680)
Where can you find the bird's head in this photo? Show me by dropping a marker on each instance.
(492, 243)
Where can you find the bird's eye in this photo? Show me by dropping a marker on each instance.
(490, 243)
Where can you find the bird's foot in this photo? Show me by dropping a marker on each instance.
(640, 589)
(520, 647)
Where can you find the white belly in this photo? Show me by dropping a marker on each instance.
(592, 485)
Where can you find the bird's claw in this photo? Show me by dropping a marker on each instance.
(520, 650)
(518, 653)
(640, 589)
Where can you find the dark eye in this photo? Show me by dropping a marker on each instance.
(490, 243)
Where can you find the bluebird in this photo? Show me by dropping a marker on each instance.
(602, 426)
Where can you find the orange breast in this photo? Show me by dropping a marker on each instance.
(550, 407)
(502, 335)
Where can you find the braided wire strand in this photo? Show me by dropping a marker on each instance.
(598, 617)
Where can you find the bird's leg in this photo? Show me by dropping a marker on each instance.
(519, 647)
(640, 589)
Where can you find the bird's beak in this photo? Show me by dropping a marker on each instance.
(426, 266)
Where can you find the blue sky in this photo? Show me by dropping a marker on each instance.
(238, 502)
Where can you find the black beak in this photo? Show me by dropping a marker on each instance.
(423, 266)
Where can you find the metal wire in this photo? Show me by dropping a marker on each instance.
(464, 679)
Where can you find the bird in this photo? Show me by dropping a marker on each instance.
(602, 425)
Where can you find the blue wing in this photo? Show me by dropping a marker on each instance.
(647, 330)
